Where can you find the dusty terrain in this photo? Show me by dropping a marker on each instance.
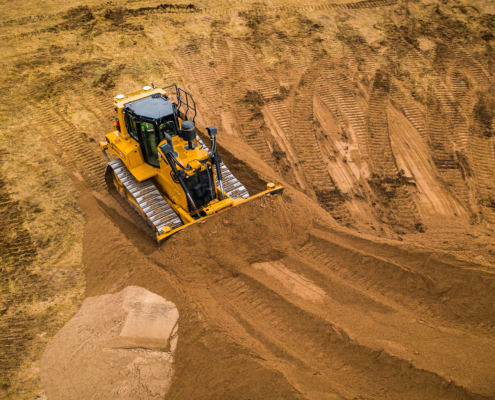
(372, 277)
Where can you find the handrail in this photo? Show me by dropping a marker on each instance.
(187, 97)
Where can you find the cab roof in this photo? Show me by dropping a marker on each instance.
(153, 107)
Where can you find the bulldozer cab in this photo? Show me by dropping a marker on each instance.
(147, 121)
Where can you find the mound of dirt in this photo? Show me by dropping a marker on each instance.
(118, 346)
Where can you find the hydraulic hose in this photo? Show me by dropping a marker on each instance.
(181, 182)
(212, 131)
(179, 164)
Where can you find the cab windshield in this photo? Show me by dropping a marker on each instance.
(151, 138)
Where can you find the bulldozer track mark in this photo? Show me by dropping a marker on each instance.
(463, 58)
(441, 142)
(239, 291)
(409, 108)
(269, 90)
(383, 162)
(364, 58)
(308, 7)
(179, 8)
(222, 54)
(308, 341)
(100, 106)
(438, 95)
(43, 16)
(452, 110)
(251, 122)
(334, 90)
(64, 15)
(418, 287)
(183, 8)
(482, 156)
(88, 162)
(460, 87)
(17, 252)
(309, 151)
(380, 150)
(205, 78)
(267, 87)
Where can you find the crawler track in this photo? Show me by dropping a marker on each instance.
(143, 197)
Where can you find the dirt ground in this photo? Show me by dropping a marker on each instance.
(371, 277)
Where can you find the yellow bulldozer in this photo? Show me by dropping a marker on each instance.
(162, 169)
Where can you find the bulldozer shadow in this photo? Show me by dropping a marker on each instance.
(129, 228)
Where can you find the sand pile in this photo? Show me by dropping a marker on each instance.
(118, 346)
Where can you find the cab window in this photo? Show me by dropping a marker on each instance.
(149, 143)
(167, 127)
(131, 126)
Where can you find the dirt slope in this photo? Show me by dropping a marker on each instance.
(371, 277)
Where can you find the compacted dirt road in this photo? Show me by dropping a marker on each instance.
(371, 277)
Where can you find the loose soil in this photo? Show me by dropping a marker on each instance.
(117, 346)
(372, 276)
